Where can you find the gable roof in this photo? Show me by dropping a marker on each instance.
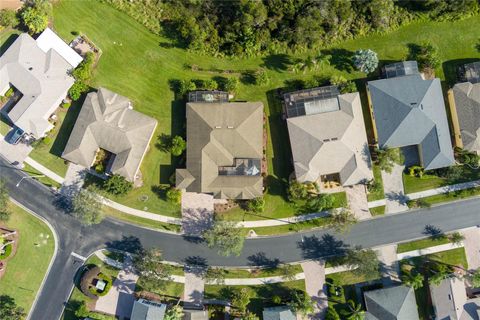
(394, 303)
(224, 148)
(42, 78)
(107, 121)
(148, 310)
(330, 142)
(410, 111)
(50, 40)
(467, 102)
(450, 301)
(278, 313)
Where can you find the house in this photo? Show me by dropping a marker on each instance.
(39, 71)
(465, 107)
(148, 310)
(327, 136)
(450, 301)
(393, 303)
(224, 150)
(278, 313)
(107, 121)
(409, 111)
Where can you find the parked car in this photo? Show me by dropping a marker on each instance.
(15, 136)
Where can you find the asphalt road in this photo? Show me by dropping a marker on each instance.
(295, 247)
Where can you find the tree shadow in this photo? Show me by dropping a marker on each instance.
(163, 143)
(435, 233)
(195, 264)
(413, 50)
(277, 62)
(127, 243)
(328, 246)
(340, 58)
(260, 259)
(397, 196)
(247, 77)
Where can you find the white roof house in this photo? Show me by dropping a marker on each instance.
(42, 77)
(50, 40)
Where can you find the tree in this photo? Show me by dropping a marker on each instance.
(117, 185)
(152, 269)
(8, 18)
(475, 278)
(344, 85)
(320, 202)
(87, 206)
(332, 314)
(261, 77)
(174, 313)
(83, 72)
(456, 238)
(365, 60)
(388, 157)
(77, 89)
(174, 195)
(9, 309)
(413, 279)
(362, 261)
(256, 205)
(226, 236)
(35, 21)
(342, 219)
(288, 272)
(297, 191)
(4, 197)
(186, 86)
(427, 56)
(250, 316)
(215, 276)
(241, 298)
(231, 85)
(354, 311)
(301, 303)
(177, 146)
(210, 84)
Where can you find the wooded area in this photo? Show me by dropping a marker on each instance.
(247, 28)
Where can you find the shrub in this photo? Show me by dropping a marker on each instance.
(277, 299)
(261, 77)
(66, 105)
(177, 146)
(174, 195)
(87, 278)
(9, 93)
(117, 185)
(185, 86)
(427, 56)
(344, 85)
(297, 191)
(332, 314)
(108, 284)
(99, 167)
(77, 89)
(47, 140)
(256, 205)
(7, 252)
(8, 18)
(231, 85)
(210, 84)
(34, 20)
(83, 72)
(365, 60)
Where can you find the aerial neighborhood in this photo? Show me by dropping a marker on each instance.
(255, 160)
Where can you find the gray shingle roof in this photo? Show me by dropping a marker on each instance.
(106, 121)
(148, 310)
(467, 102)
(395, 303)
(43, 79)
(331, 142)
(411, 111)
(218, 135)
(278, 313)
(195, 314)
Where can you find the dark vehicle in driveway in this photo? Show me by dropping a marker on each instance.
(14, 136)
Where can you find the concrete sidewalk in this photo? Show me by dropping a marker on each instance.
(44, 170)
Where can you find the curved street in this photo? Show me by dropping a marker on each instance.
(82, 241)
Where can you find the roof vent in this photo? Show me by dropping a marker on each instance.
(334, 139)
(218, 127)
(230, 127)
(31, 68)
(413, 104)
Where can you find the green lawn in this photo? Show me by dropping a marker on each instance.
(420, 244)
(260, 273)
(291, 227)
(261, 294)
(453, 196)
(377, 211)
(454, 257)
(44, 180)
(25, 271)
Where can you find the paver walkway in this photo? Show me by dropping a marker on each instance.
(357, 200)
(396, 200)
(119, 300)
(472, 247)
(194, 287)
(197, 212)
(315, 286)
(389, 268)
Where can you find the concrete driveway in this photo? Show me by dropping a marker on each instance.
(472, 247)
(119, 300)
(357, 201)
(18, 152)
(315, 286)
(197, 212)
(396, 200)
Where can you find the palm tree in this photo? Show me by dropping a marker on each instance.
(413, 279)
(354, 311)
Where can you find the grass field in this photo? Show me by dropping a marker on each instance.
(420, 244)
(44, 180)
(453, 196)
(378, 194)
(25, 271)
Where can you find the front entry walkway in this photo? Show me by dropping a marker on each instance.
(357, 200)
(315, 286)
(396, 201)
(119, 300)
(197, 212)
